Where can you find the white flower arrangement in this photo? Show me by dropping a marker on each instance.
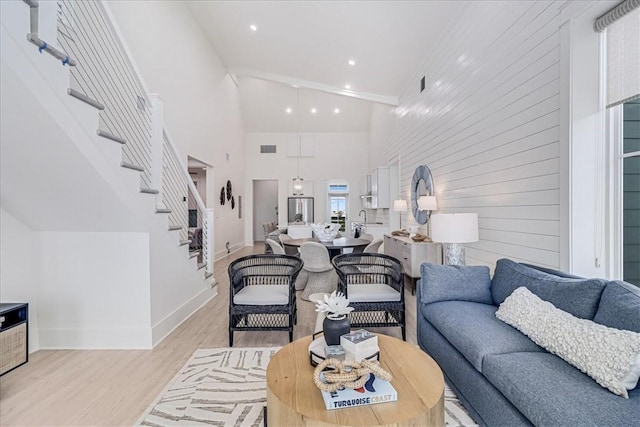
(336, 304)
(325, 232)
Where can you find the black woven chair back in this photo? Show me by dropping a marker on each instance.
(357, 268)
(263, 270)
(368, 271)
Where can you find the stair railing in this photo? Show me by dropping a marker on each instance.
(34, 37)
(104, 73)
(106, 76)
(181, 196)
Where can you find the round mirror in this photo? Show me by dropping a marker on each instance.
(421, 185)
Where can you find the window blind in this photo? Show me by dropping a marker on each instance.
(614, 14)
(623, 56)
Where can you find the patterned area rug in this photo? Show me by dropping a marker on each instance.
(227, 387)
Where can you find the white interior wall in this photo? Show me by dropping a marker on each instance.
(201, 109)
(91, 290)
(94, 291)
(487, 126)
(336, 156)
(512, 126)
(265, 201)
(177, 288)
(19, 275)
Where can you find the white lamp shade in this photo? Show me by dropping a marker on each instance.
(454, 228)
(400, 205)
(427, 203)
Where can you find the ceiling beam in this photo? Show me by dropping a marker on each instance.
(245, 72)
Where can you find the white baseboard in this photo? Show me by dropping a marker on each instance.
(123, 339)
(95, 339)
(232, 249)
(167, 325)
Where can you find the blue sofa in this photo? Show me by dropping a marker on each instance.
(499, 374)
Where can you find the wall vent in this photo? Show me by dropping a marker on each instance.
(267, 149)
(142, 104)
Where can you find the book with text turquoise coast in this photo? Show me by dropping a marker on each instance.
(374, 391)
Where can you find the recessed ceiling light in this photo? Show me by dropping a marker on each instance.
(336, 110)
(253, 27)
(313, 111)
(347, 86)
(352, 62)
(288, 110)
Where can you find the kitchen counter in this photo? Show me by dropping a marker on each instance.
(377, 229)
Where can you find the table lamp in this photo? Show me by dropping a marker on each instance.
(428, 203)
(400, 206)
(453, 230)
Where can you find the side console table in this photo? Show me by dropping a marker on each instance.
(411, 254)
(14, 345)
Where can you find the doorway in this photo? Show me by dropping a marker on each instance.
(265, 205)
(338, 198)
(195, 214)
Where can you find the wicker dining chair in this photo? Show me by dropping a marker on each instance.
(262, 296)
(374, 285)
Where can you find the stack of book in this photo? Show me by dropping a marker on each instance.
(360, 344)
(374, 391)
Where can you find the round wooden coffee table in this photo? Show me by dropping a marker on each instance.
(294, 400)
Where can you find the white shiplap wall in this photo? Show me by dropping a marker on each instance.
(487, 125)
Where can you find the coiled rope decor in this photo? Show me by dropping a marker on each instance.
(347, 374)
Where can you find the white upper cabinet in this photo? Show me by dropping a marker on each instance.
(380, 197)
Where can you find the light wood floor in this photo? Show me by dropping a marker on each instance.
(114, 387)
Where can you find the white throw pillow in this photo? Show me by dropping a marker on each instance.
(609, 356)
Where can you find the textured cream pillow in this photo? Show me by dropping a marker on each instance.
(609, 356)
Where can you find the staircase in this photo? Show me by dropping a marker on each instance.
(88, 166)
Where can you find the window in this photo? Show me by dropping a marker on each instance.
(338, 196)
(622, 71)
(338, 188)
(629, 169)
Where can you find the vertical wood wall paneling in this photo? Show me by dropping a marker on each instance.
(487, 125)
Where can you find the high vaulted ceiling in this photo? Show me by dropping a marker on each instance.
(307, 45)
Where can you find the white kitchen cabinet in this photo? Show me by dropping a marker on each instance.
(377, 189)
(380, 188)
(366, 196)
(412, 254)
